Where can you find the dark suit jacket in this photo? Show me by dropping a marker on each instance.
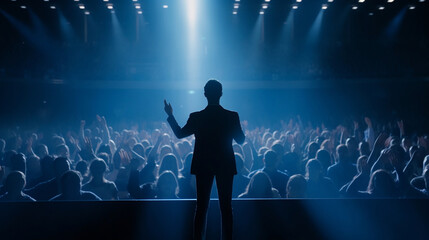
(214, 129)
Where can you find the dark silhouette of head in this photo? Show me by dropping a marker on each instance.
(14, 182)
(260, 186)
(166, 185)
(169, 162)
(313, 169)
(98, 168)
(18, 163)
(61, 165)
(381, 184)
(270, 159)
(296, 187)
(342, 153)
(213, 91)
(70, 183)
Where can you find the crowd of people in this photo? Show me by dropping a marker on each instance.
(98, 162)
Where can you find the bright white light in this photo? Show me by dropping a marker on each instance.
(105, 0)
(138, 6)
(265, 6)
(236, 6)
(237, 0)
(235, 13)
(330, 0)
(421, 0)
(134, 0)
(76, 0)
(298, 0)
(164, 6)
(267, 0)
(295, 7)
(354, 7)
(412, 7)
(81, 6)
(46, 0)
(110, 6)
(261, 13)
(361, 1)
(390, 1)
(140, 12)
(381, 8)
(324, 6)
(86, 13)
(23, 7)
(52, 7)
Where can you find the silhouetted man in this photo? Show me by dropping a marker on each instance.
(214, 129)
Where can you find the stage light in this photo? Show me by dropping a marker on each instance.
(422, 0)
(76, 0)
(237, 0)
(46, 0)
(412, 7)
(261, 13)
(138, 6)
(324, 6)
(234, 12)
(265, 6)
(236, 6)
(381, 8)
(298, 0)
(371, 14)
(295, 7)
(361, 1)
(390, 1)
(164, 6)
(105, 0)
(109, 6)
(134, 0)
(81, 6)
(140, 12)
(330, 0)
(86, 12)
(267, 0)
(52, 7)
(23, 7)
(354, 7)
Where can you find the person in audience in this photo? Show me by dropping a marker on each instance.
(104, 189)
(167, 186)
(260, 187)
(343, 171)
(70, 185)
(296, 187)
(278, 178)
(318, 186)
(13, 185)
(47, 190)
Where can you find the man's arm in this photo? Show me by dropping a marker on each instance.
(186, 131)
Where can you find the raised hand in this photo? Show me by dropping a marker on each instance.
(167, 108)
(368, 122)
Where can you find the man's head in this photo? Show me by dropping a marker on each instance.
(213, 90)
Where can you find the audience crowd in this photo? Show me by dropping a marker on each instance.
(98, 162)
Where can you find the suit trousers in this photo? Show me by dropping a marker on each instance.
(224, 187)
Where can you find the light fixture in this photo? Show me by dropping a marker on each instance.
(381, 8)
(354, 7)
(261, 13)
(412, 7)
(165, 6)
(324, 6)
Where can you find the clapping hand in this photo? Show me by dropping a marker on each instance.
(167, 108)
